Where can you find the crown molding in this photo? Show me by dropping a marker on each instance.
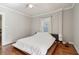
(69, 7)
(48, 13)
(73, 5)
(13, 10)
(51, 12)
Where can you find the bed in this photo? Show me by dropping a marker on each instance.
(38, 44)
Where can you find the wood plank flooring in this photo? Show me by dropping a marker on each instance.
(0, 41)
(10, 50)
(61, 49)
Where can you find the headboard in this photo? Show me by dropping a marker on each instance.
(56, 36)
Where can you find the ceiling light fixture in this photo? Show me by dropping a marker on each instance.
(30, 5)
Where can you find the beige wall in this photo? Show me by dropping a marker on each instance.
(76, 26)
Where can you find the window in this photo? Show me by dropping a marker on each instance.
(46, 24)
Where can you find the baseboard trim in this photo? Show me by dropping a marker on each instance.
(8, 43)
(77, 49)
(71, 43)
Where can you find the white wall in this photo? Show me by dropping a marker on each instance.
(15, 25)
(66, 16)
(55, 18)
(35, 25)
(0, 22)
(67, 25)
(76, 26)
(19, 26)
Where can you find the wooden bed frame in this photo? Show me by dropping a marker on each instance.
(50, 50)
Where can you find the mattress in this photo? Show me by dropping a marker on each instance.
(37, 44)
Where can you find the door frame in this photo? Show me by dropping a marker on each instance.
(3, 28)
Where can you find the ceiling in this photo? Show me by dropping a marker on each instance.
(39, 8)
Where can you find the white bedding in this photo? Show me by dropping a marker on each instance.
(37, 44)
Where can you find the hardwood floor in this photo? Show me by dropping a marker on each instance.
(0, 41)
(0, 38)
(10, 50)
(61, 49)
